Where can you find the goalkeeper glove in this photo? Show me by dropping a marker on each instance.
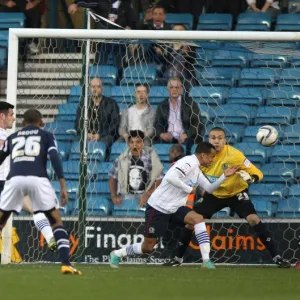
(246, 176)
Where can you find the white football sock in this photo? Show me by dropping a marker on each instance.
(203, 240)
(43, 225)
(130, 250)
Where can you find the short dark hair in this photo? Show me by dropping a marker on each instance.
(5, 106)
(32, 116)
(146, 85)
(136, 133)
(177, 148)
(217, 129)
(204, 147)
(159, 7)
(182, 25)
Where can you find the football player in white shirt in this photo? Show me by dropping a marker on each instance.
(167, 203)
(7, 119)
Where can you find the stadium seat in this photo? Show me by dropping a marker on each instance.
(288, 22)
(289, 208)
(264, 209)
(103, 171)
(291, 134)
(98, 206)
(116, 149)
(96, 151)
(286, 154)
(258, 77)
(251, 21)
(207, 113)
(185, 19)
(251, 131)
(129, 208)
(100, 188)
(235, 113)
(158, 94)
(274, 115)
(64, 149)
(290, 77)
(268, 61)
(256, 153)
(228, 58)
(283, 96)
(278, 173)
(67, 112)
(209, 95)
(218, 76)
(71, 170)
(108, 74)
(215, 22)
(63, 131)
(139, 73)
(233, 132)
(123, 94)
(203, 57)
(248, 96)
(3, 57)
(162, 151)
(223, 213)
(4, 38)
(11, 20)
(268, 191)
(294, 61)
(75, 93)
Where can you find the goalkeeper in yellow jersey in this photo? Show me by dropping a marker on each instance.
(233, 194)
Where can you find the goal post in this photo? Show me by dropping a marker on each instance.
(230, 236)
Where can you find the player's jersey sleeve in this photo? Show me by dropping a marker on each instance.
(245, 164)
(4, 151)
(204, 183)
(52, 144)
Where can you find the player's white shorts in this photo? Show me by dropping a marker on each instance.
(38, 189)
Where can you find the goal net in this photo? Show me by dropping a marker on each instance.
(238, 81)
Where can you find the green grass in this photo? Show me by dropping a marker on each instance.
(43, 282)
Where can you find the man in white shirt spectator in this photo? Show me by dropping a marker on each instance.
(139, 116)
(268, 6)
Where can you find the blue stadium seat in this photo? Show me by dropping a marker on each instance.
(3, 57)
(67, 112)
(209, 95)
(290, 77)
(251, 131)
(233, 132)
(71, 170)
(75, 93)
(289, 208)
(264, 209)
(108, 74)
(96, 151)
(294, 190)
(72, 188)
(268, 191)
(256, 153)
(223, 213)
(291, 134)
(11, 20)
(139, 73)
(298, 116)
(129, 207)
(64, 149)
(103, 171)
(215, 22)
(4, 38)
(218, 76)
(99, 188)
(283, 96)
(268, 61)
(203, 57)
(288, 22)
(286, 154)
(123, 94)
(162, 151)
(235, 113)
(116, 149)
(208, 114)
(63, 131)
(294, 61)
(185, 19)
(258, 77)
(248, 96)
(278, 173)
(158, 94)
(274, 115)
(252, 21)
(228, 58)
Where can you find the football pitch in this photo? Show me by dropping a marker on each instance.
(44, 282)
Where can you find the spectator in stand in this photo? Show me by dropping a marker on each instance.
(180, 61)
(267, 6)
(140, 5)
(136, 172)
(139, 116)
(32, 10)
(103, 116)
(178, 118)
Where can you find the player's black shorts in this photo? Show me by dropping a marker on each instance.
(2, 182)
(240, 203)
(156, 222)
